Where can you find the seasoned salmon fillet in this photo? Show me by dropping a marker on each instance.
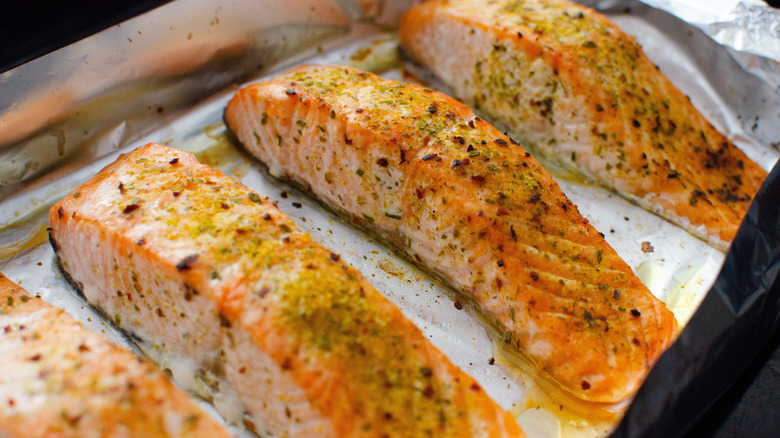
(59, 379)
(187, 258)
(582, 95)
(449, 191)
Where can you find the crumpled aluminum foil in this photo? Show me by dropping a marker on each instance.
(166, 75)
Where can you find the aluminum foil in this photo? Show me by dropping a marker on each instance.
(166, 76)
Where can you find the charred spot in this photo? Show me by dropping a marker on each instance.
(403, 157)
(60, 212)
(500, 263)
(429, 157)
(189, 292)
(535, 197)
(513, 233)
(131, 208)
(458, 139)
(290, 92)
(456, 163)
(382, 162)
(458, 305)
(471, 123)
(636, 123)
(519, 35)
(140, 242)
(224, 321)
(265, 290)
(491, 361)
(347, 140)
(585, 385)
(500, 142)
(432, 108)
(359, 110)
(636, 342)
(534, 276)
(636, 313)
(186, 263)
(174, 161)
(54, 245)
(673, 174)
(428, 391)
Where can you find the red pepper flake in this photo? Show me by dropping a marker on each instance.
(458, 305)
(491, 361)
(475, 387)
(224, 205)
(186, 263)
(478, 178)
(60, 212)
(382, 162)
(141, 242)
(535, 197)
(535, 276)
(465, 161)
(263, 292)
(470, 148)
(335, 257)
(480, 213)
(432, 108)
(176, 194)
(131, 208)
(347, 140)
(160, 313)
(502, 211)
(174, 161)
(359, 110)
(636, 342)
(500, 142)
(455, 163)
(428, 391)
(647, 247)
(471, 123)
(426, 371)
(459, 139)
(36, 357)
(585, 385)
(429, 157)
(636, 312)
(267, 217)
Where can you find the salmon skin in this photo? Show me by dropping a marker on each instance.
(201, 266)
(449, 191)
(59, 379)
(582, 95)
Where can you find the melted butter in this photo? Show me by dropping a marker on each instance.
(549, 411)
(18, 237)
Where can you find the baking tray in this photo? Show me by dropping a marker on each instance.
(165, 76)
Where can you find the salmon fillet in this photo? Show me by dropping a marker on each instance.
(582, 95)
(449, 191)
(59, 379)
(183, 256)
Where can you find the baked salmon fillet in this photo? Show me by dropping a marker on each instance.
(449, 191)
(186, 258)
(582, 95)
(59, 379)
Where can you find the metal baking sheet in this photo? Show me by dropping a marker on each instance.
(166, 77)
